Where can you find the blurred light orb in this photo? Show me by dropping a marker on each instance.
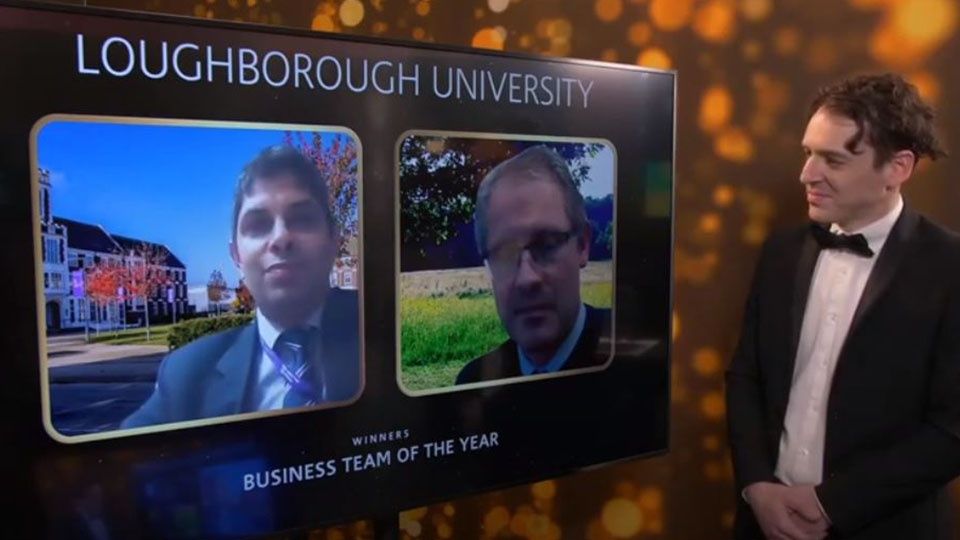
(639, 33)
(926, 23)
(734, 144)
(488, 38)
(621, 518)
(786, 41)
(723, 195)
(544, 490)
(498, 6)
(671, 14)
(707, 361)
(322, 23)
(756, 10)
(413, 528)
(651, 499)
(609, 55)
(608, 10)
(927, 84)
(710, 223)
(423, 8)
(754, 233)
(444, 531)
(712, 405)
(351, 12)
(559, 29)
(495, 520)
(654, 57)
(772, 96)
(449, 510)
(716, 21)
(716, 108)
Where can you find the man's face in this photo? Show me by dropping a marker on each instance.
(534, 263)
(284, 249)
(842, 187)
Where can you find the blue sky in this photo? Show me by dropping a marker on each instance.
(167, 184)
(601, 174)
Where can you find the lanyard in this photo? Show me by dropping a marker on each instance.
(298, 384)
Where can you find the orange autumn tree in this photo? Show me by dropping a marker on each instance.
(102, 284)
(143, 274)
(337, 160)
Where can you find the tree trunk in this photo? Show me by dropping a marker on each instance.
(146, 316)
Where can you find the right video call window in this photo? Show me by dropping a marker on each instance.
(506, 251)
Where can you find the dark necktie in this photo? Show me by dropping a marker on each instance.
(293, 347)
(854, 243)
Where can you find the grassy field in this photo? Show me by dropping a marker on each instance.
(133, 336)
(448, 318)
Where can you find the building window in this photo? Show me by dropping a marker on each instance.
(51, 251)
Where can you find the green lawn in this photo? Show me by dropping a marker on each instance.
(439, 335)
(133, 336)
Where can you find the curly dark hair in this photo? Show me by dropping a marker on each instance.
(888, 111)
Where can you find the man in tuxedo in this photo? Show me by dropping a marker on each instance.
(532, 231)
(303, 348)
(843, 396)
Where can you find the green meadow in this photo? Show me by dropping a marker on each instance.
(441, 332)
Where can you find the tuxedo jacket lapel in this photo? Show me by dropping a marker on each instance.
(888, 260)
(807, 262)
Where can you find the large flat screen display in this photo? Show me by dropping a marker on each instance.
(260, 280)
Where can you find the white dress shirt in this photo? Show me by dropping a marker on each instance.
(835, 290)
(271, 387)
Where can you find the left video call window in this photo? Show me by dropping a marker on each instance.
(194, 272)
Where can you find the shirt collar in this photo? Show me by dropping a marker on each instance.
(876, 233)
(560, 357)
(269, 332)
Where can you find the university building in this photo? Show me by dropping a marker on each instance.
(71, 248)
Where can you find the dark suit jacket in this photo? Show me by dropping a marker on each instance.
(893, 416)
(504, 361)
(214, 375)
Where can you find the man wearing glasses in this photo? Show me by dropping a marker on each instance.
(532, 232)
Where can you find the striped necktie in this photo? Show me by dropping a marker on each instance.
(293, 347)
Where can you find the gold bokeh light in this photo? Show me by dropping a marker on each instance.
(488, 38)
(621, 518)
(608, 10)
(351, 12)
(654, 57)
(716, 21)
(671, 14)
(716, 108)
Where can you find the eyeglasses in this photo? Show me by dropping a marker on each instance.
(504, 259)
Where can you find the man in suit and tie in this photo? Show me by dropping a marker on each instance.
(303, 348)
(532, 231)
(843, 396)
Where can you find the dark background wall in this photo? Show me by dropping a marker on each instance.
(747, 69)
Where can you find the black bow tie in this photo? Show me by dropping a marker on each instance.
(855, 243)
